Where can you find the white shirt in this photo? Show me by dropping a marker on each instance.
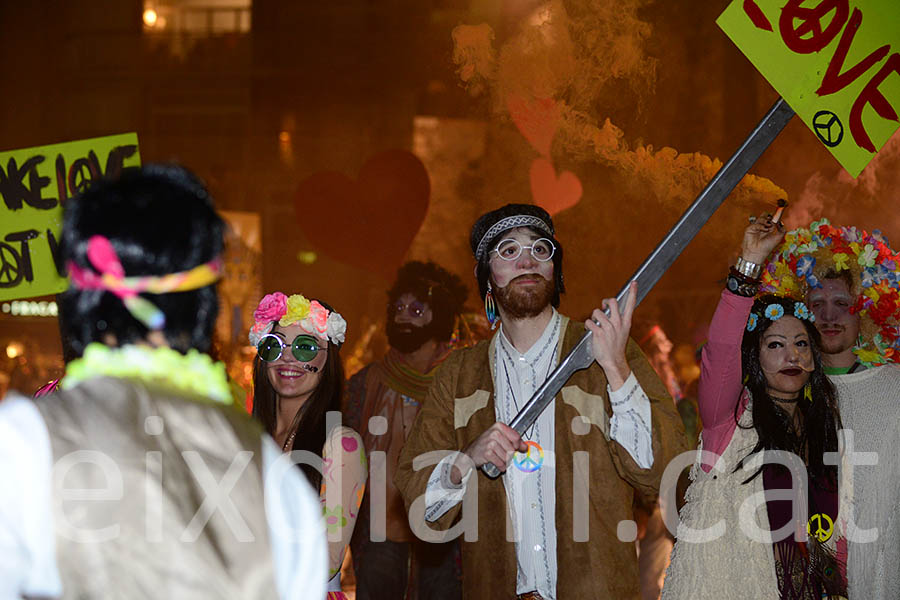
(868, 401)
(27, 535)
(530, 492)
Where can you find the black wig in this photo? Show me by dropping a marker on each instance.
(443, 291)
(159, 220)
(819, 422)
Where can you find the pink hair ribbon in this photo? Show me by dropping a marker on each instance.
(111, 277)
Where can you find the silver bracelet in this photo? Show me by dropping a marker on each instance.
(747, 268)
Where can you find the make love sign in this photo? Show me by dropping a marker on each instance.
(835, 62)
(34, 185)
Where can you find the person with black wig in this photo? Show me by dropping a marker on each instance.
(298, 379)
(179, 502)
(423, 307)
(758, 524)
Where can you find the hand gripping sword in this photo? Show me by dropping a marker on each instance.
(661, 258)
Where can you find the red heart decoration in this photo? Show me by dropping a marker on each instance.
(553, 194)
(537, 120)
(369, 222)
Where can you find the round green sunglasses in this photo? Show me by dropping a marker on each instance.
(304, 347)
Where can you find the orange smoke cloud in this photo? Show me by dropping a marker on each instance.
(473, 51)
(571, 54)
(867, 201)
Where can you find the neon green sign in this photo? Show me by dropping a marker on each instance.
(34, 186)
(835, 62)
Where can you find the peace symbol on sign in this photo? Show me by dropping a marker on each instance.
(820, 526)
(828, 128)
(530, 460)
(10, 275)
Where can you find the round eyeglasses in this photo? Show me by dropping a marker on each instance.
(541, 249)
(304, 347)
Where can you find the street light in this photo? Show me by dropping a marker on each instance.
(150, 17)
(14, 349)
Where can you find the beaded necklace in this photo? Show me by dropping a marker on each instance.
(509, 360)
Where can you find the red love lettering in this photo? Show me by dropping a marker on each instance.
(834, 80)
(811, 23)
(756, 15)
(871, 95)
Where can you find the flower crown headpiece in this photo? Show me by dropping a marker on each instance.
(775, 311)
(313, 318)
(807, 254)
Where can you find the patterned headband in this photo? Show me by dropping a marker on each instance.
(312, 317)
(111, 278)
(510, 223)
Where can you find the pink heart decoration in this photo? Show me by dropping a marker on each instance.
(369, 222)
(537, 119)
(553, 194)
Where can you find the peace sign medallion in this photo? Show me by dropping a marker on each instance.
(530, 460)
(820, 526)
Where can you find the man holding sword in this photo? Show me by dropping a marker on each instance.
(558, 523)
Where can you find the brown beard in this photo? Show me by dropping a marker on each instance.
(517, 304)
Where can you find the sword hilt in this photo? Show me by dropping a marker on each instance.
(491, 470)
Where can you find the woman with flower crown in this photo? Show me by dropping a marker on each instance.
(761, 525)
(298, 380)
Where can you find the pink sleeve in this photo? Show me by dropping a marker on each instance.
(720, 385)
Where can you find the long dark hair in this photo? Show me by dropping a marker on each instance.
(820, 420)
(311, 426)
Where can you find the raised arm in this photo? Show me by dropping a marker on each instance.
(645, 426)
(720, 368)
(664, 430)
(721, 379)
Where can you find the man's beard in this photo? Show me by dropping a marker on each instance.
(407, 338)
(838, 344)
(525, 303)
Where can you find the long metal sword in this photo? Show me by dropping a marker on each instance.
(661, 258)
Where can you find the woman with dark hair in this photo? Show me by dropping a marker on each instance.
(298, 379)
(758, 523)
